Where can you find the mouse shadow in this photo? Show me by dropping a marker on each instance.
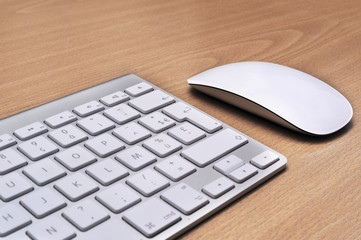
(283, 131)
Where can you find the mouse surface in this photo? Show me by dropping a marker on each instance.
(281, 94)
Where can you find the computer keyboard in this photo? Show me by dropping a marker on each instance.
(121, 160)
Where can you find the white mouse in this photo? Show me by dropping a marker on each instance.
(281, 94)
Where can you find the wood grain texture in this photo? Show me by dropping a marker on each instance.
(49, 49)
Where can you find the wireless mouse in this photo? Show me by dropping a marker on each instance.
(284, 95)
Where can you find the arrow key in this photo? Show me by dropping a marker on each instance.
(218, 187)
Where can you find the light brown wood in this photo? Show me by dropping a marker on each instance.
(49, 49)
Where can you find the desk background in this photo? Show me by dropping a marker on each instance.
(49, 49)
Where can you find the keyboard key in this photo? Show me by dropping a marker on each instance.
(121, 113)
(104, 145)
(148, 182)
(228, 164)
(186, 133)
(214, 147)
(264, 159)
(51, 229)
(6, 140)
(75, 158)
(183, 112)
(152, 217)
(114, 98)
(151, 101)
(76, 186)
(68, 136)
(162, 145)
(218, 187)
(139, 89)
(30, 131)
(85, 215)
(88, 109)
(157, 122)
(131, 133)
(60, 119)
(42, 202)
(44, 172)
(118, 198)
(10, 160)
(243, 173)
(12, 218)
(175, 168)
(135, 158)
(12, 186)
(185, 199)
(107, 171)
(38, 148)
(96, 124)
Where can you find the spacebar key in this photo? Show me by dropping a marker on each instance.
(214, 147)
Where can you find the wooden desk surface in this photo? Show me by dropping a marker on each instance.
(49, 49)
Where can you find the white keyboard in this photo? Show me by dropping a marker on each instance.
(121, 160)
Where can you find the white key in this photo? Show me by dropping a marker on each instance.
(182, 112)
(186, 133)
(148, 182)
(135, 158)
(86, 215)
(75, 158)
(67, 136)
(12, 218)
(114, 98)
(185, 199)
(38, 148)
(104, 145)
(243, 173)
(121, 113)
(214, 147)
(10, 160)
(51, 229)
(264, 159)
(228, 164)
(30, 131)
(60, 119)
(44, 172)
(6, 141)
(157, 122)
(151, 101)
(42, 202)
(118, 198)
(139, 89)
(76, 186)
(88, 108)
(131, 133)
(96, 124)
(162, 145)
(175, 168)
(12, 186)
(218, 187)
(107, 171)
(152, 217)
